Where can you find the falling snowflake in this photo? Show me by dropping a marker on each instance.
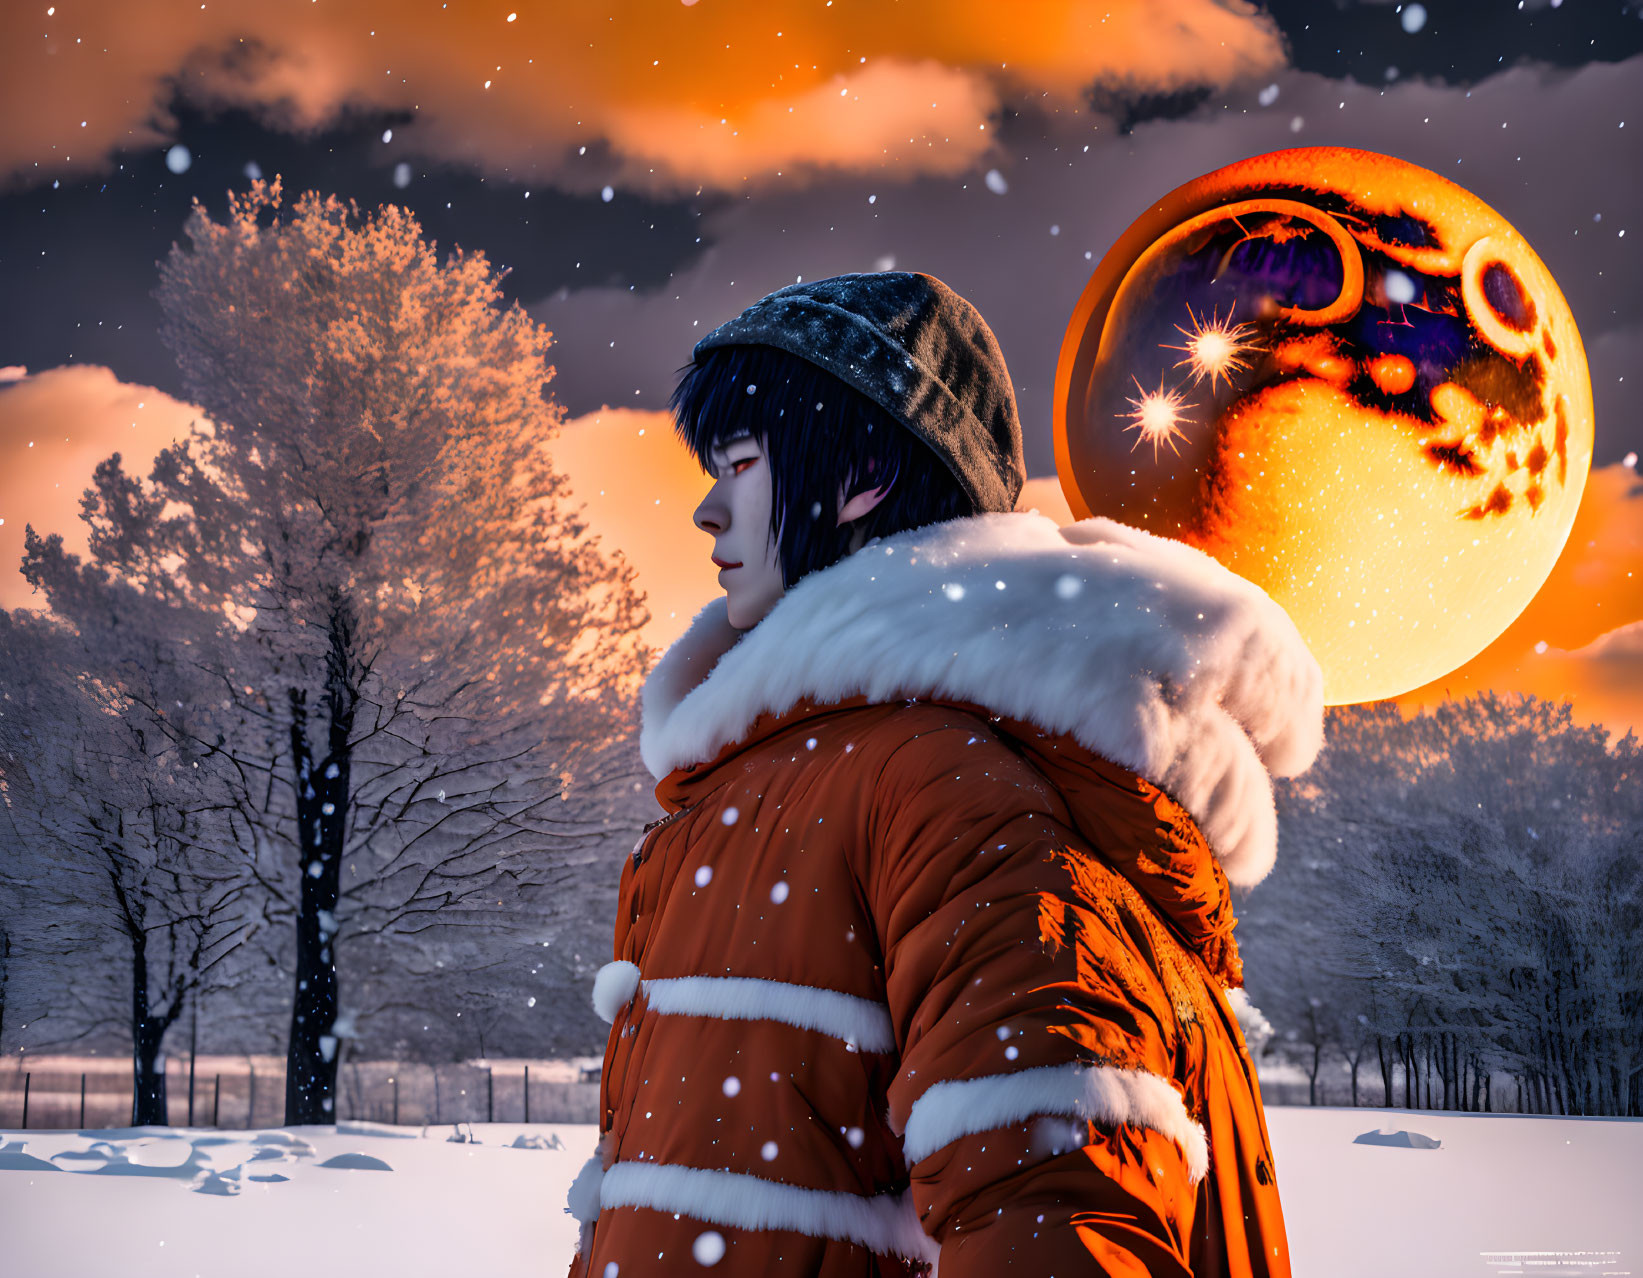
(709, 1248)
(1399, 287)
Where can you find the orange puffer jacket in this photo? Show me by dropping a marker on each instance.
(928, 959)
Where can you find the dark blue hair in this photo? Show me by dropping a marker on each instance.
(819, 434)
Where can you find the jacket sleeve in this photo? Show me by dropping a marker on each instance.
(1041, 1124)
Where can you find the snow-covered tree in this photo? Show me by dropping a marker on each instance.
(416, 646)
(117, 865)
(1465, 881)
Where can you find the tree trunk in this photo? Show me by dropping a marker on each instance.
(1386, 1069)
(322, 808)
(148, 1099)
(5, 966)
(193, 1051)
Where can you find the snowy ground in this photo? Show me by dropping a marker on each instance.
(177, 1203)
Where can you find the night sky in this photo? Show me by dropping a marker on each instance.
(582, 148)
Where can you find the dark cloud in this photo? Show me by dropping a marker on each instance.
(1126, 108)
(1458, 41)
(652, 273)
(1561, 170)
(81, 258)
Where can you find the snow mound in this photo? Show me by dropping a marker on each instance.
(357, 1161)
(1400, 1139)
(12, 1158)
(361, 1127)
(167, 1153)
(536, 1141)
(222, 1186)
(295, 1144)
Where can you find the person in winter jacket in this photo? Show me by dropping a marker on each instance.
(927, 962)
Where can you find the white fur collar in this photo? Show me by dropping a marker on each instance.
(1145, 650)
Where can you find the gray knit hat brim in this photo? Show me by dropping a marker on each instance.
(914, 347)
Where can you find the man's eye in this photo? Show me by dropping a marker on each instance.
(741, 464)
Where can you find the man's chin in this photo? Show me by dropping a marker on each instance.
(743, 615)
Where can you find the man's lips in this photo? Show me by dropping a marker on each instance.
(720, 563)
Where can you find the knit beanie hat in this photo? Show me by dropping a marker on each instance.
(916, 348)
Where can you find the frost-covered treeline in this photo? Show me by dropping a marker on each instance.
(1455, 911)
(343, 679)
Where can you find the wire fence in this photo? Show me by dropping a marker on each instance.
(240, 1093)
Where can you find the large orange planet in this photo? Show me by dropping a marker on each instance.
(1350, 381)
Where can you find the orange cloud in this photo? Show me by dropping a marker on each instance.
(55, 427)
(1579, 638)
(1044, 495)
(639, 486)
(715, 94)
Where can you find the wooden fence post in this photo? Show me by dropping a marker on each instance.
(395, 1081)
(82, 1098)
(216, 1097)
(527, 1093)
(27, 1075)
(490, 1095)
(251, 1102)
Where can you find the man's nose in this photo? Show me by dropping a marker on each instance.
(711, 516)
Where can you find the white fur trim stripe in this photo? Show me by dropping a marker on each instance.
(1144, 649)
(744, 998)
(1100, 1094)
(883, 1223)
(613, 986)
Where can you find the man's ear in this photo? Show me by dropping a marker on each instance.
(861, 503)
